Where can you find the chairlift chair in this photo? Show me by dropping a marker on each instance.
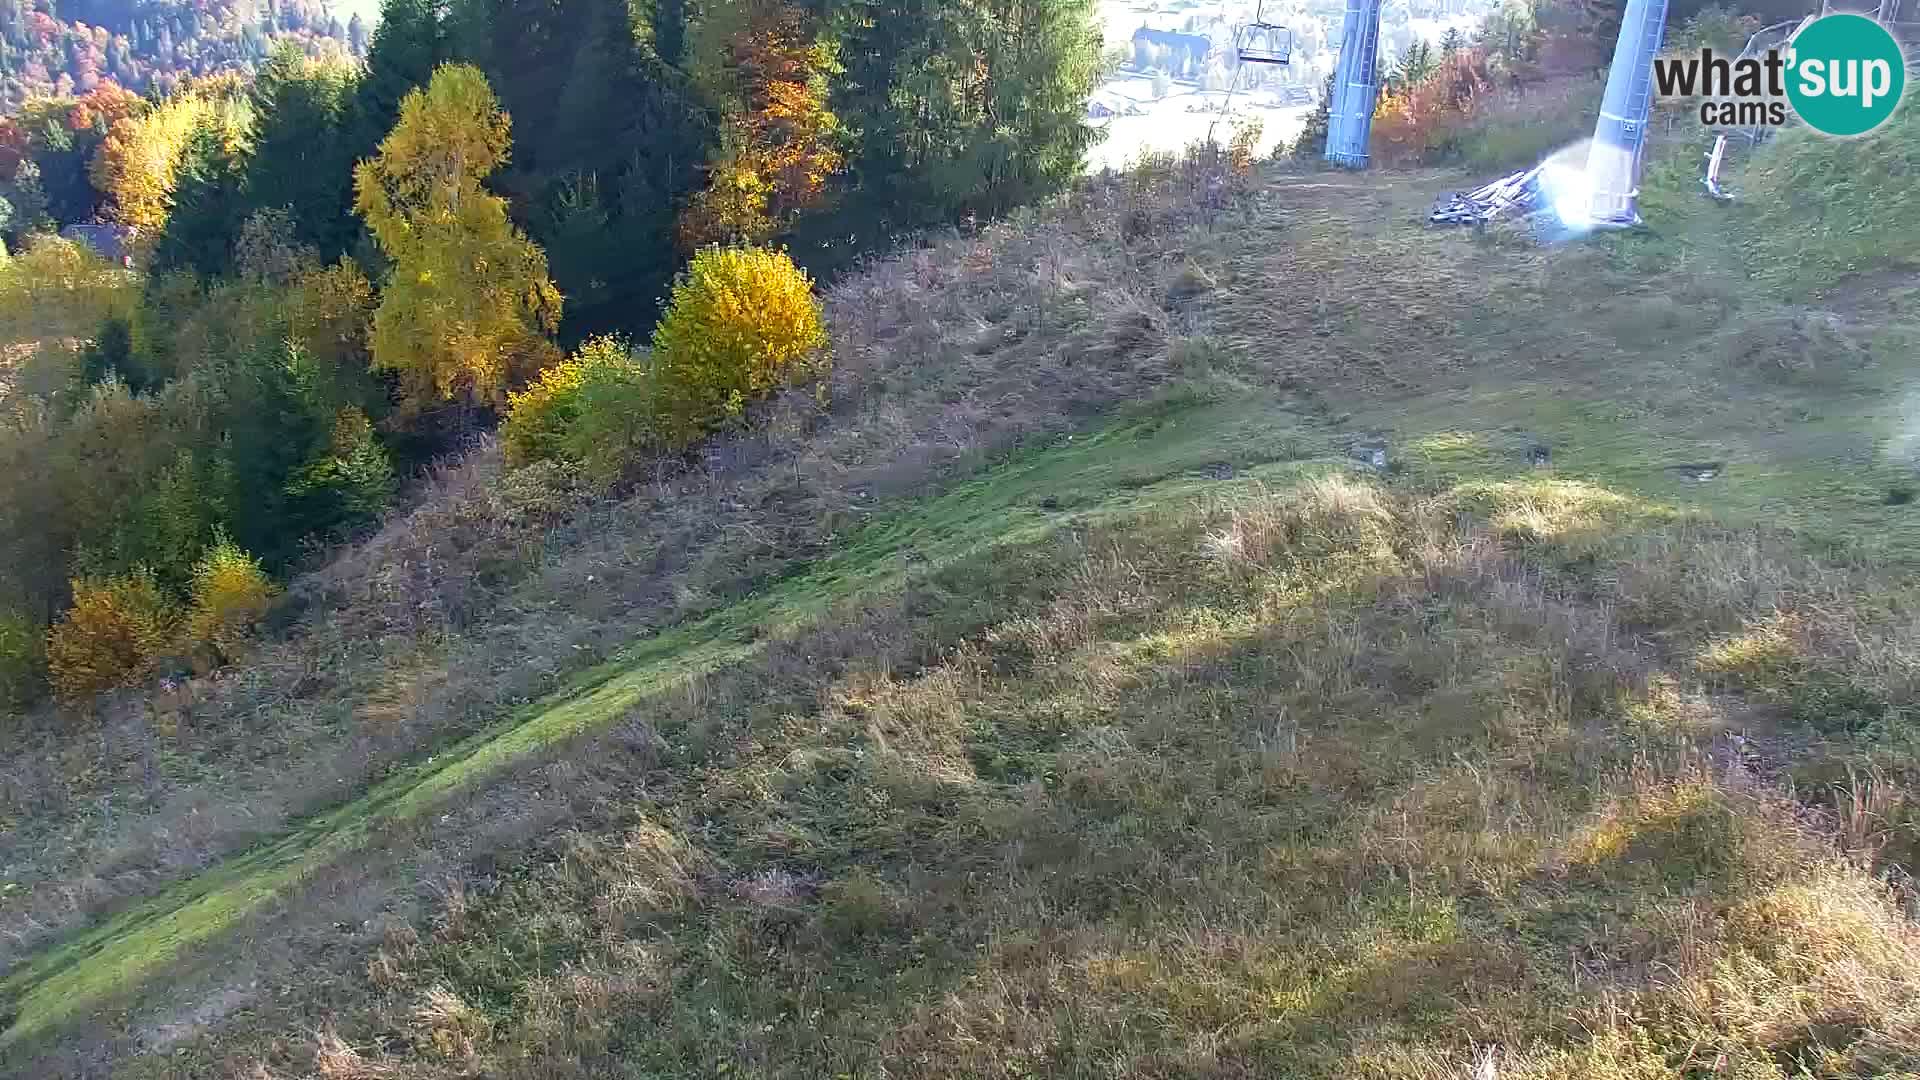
(1264, 42)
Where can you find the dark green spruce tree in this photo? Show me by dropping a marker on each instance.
(409, 43)
(963, 109)
(607, 142)
(302, 160)
(670, 31)
(1312, 143)
(209, 202)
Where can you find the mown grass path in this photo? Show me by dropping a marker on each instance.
(1030, 494)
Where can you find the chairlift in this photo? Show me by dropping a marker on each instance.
(1264, 42)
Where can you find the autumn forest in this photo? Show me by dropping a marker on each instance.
(263, 266)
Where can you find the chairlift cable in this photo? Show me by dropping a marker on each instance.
(1233, 85)
(1271, 55)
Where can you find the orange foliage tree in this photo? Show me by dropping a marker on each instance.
(1419, 122)
(112, 636)
(105, 103)
(778, 146)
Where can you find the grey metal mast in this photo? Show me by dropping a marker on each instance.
(1355, 85)
(1613, 162)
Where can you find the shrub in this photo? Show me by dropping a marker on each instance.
(741, 322)
(112, 636)
(539, 416)
(618, 411)
(1519, 127)
(541, 492)
(230, 594)
(1242, 147)
(23, 659)
(1716, 27)
(1424, 122)
(60, 289)
(593, 408)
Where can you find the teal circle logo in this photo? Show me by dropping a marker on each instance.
(1845, 74)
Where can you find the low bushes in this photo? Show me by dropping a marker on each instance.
(23, 659)
(120, 627)
(1514, 129)
(242, 408)
(1421, 122)
(112, 636)
(741, 323)
(230, 594)
(592, 409)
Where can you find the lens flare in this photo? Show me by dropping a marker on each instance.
(1568, 187)
(1612, 171)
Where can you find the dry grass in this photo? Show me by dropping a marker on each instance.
(489, 589)
(1193, 810)
(334, 1059)
(1802, 348)
(1350, 777)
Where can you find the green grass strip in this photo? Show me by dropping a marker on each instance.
(1088, 474)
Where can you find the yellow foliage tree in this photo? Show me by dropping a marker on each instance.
(741, 322)
(230, 594)
(328, 311)
(137, 164)
(111, 636)
(1418, 123)
(469, 294)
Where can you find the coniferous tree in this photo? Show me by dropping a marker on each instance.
(1416, 63)
(302, 161)
(670, 31)
(607, 142)
(208, 200)
(469, 295)
(408, 45)
(1312, 142)
(964, 109)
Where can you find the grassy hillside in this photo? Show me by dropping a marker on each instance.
(1077, 696)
